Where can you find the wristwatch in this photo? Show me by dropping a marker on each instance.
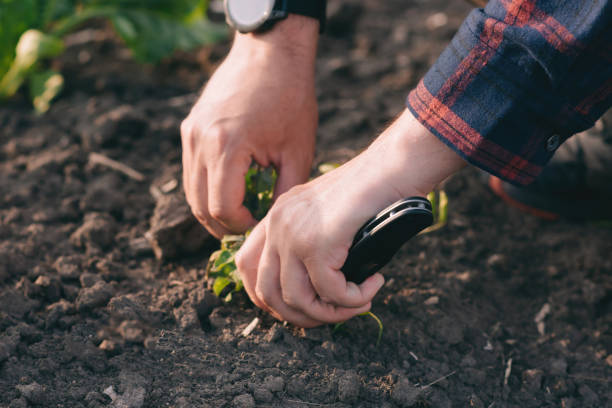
(249, 16)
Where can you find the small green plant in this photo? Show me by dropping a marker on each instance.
(259, 190)
(439, 206)
(338, 326)
(222, 267)
(33, 30)
(258, 199)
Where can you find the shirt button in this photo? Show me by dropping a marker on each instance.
(553, 143)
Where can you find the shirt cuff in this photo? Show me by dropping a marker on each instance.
(490, 100)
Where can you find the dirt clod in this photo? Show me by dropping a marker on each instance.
(96, 296)
(274, 384)
(243, 401)
(174, 230)
(349, 386)
(97, 230)
(68, 267)
(532, 379)
(131, 331)
(133, 391)
(405, 394)
(262, 395)
(89, 279)
(33, 392)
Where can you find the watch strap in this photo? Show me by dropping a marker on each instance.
(309, 8)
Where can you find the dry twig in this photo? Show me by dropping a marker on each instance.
(97, 158)
(508, 371)
(438, 380)
(249, 329)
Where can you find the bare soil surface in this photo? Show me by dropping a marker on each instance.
(103, 298)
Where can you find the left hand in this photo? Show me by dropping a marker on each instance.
(290, 264)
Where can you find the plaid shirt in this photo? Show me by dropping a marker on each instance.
(519, 78)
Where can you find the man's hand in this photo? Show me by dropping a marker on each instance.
(259, 105)
(290, 264)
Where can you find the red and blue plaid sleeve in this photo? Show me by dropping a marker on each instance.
(518, 78)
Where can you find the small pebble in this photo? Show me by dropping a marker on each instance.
(263, 395)
(405, 394)
(532, 379)
(349, 386)
(89, 279)
(274, 384)
(244, 401)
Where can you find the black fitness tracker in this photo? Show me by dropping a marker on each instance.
(382, 236)
(257, 15)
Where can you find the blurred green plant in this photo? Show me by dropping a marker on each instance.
(33, 30)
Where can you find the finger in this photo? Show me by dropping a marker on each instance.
(332, 286)
(226, 188)
(197, 197)
(289, 175)
(268, 288)
(247, 262)
(298, 293)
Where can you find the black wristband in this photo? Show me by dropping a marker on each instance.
(310, 8)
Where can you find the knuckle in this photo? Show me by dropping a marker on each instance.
(199, 213)
(217, 137)
(290, 300)
(186, 128)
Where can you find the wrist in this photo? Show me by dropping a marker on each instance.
(417, 160)
(295, 37)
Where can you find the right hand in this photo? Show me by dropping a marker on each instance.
(259, 105)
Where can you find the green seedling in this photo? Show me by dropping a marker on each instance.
(32, 31)
(222, 267)
(439, 206)
(338, 326)
(259, 190)
(259, 183)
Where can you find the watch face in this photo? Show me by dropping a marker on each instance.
(247, 15)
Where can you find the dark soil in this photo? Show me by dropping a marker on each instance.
(89, 317)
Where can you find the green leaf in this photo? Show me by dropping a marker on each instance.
(152, 36)
(16, 17)
(380, 325)
(259, 183)
(44, 86)
(33, 46)
(223, 259)
(327, 167)
(220, 284)
(439, 206)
